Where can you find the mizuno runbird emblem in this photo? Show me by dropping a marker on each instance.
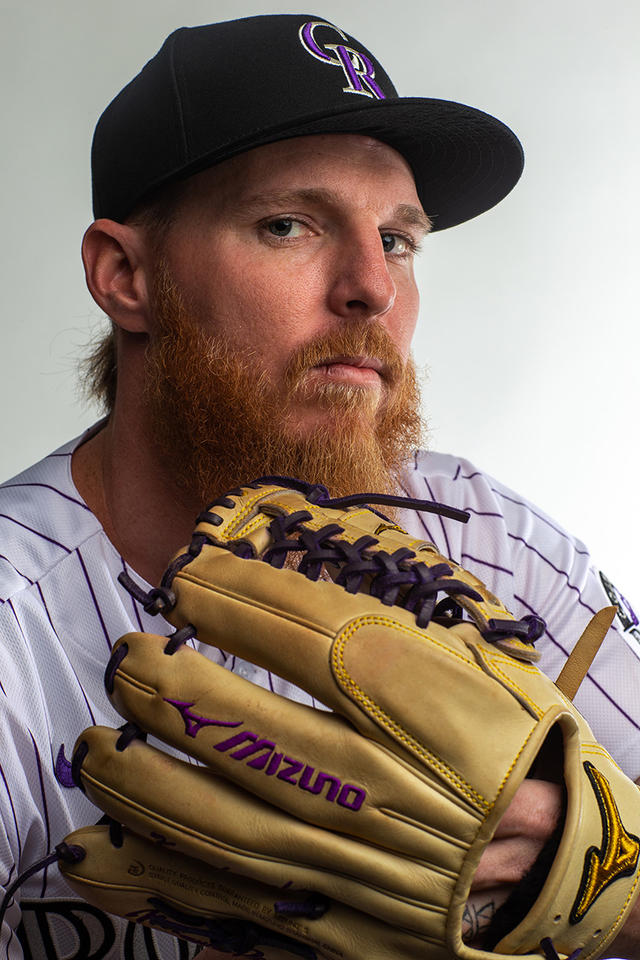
(618, 855)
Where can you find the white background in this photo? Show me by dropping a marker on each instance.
(529, 322)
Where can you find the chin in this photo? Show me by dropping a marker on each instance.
(305, 424)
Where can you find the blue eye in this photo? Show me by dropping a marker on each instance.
(281, 227)
(394, 243)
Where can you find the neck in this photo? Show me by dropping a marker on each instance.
(144, 514)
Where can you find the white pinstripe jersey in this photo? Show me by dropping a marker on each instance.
(61, 609)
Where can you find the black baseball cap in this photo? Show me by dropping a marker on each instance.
(215, 91)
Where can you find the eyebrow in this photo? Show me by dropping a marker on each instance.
(413, 216)
(404, 213)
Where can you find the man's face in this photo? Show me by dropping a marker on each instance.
(290, 269)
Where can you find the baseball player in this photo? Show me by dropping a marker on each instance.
(253, 248)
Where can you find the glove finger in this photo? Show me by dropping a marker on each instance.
(370, 647)
(368, 662)
(268, 744)
(139, 880)
(275, 618)
(186, 808)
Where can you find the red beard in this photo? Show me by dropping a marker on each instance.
(218, 420)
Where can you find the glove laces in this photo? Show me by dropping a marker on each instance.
(397, 578)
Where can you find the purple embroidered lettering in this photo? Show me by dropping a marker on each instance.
(259, 763)
(319, 782)
(235, 741)
(356, 66)
(293, 767)
(260, 754)
(358, 798)
(274, 763)
(253, 748)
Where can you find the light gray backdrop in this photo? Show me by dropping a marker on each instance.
(529, 323)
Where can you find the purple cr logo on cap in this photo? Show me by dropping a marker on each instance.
(357, 67)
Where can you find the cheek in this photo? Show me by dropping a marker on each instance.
(272, 303)
(404, 317)
(268, 316)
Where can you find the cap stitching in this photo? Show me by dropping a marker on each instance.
(176, 81)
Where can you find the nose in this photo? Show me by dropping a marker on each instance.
(362, 285)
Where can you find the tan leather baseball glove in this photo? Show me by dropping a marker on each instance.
(354, 833)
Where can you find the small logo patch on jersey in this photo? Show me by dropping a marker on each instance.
(62, 770)
(616, 857)
(626, 615)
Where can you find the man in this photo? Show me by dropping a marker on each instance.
(253, 247)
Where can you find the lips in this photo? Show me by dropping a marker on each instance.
(351, 369)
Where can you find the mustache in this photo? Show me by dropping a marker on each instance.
(357, 339)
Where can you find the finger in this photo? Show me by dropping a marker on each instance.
(527, 824)
(308, 762)
(147, 883)
(368, 664)
(506, 862)
(534, 811)
(479, 912)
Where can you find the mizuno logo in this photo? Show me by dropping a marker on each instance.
(261, 754)
(193, 722)
(387, 526)
(618, 855)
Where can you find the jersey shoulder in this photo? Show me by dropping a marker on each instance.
(458, 482)
(43, 519)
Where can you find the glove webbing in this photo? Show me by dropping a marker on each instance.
(390, 577)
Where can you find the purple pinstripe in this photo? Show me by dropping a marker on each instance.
(5, 885)
(520, 503)
(47, 486)
(441, 519)
(13, 611)
(46, 609)
(598, 686)
(423, 524)
(13, 812)
(469, 476)
(485, 563)
(525, 506)
(419, 516)
(93, 598)
(45, 808)
(539, 516)
(43, 536)
(562, 573)
(13, 567)
(484, 513)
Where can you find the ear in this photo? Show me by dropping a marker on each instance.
(116, 269)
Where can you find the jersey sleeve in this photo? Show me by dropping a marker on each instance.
(18, 786)
(535, 566)
(556, 577)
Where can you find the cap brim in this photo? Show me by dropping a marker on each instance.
(464, 161)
